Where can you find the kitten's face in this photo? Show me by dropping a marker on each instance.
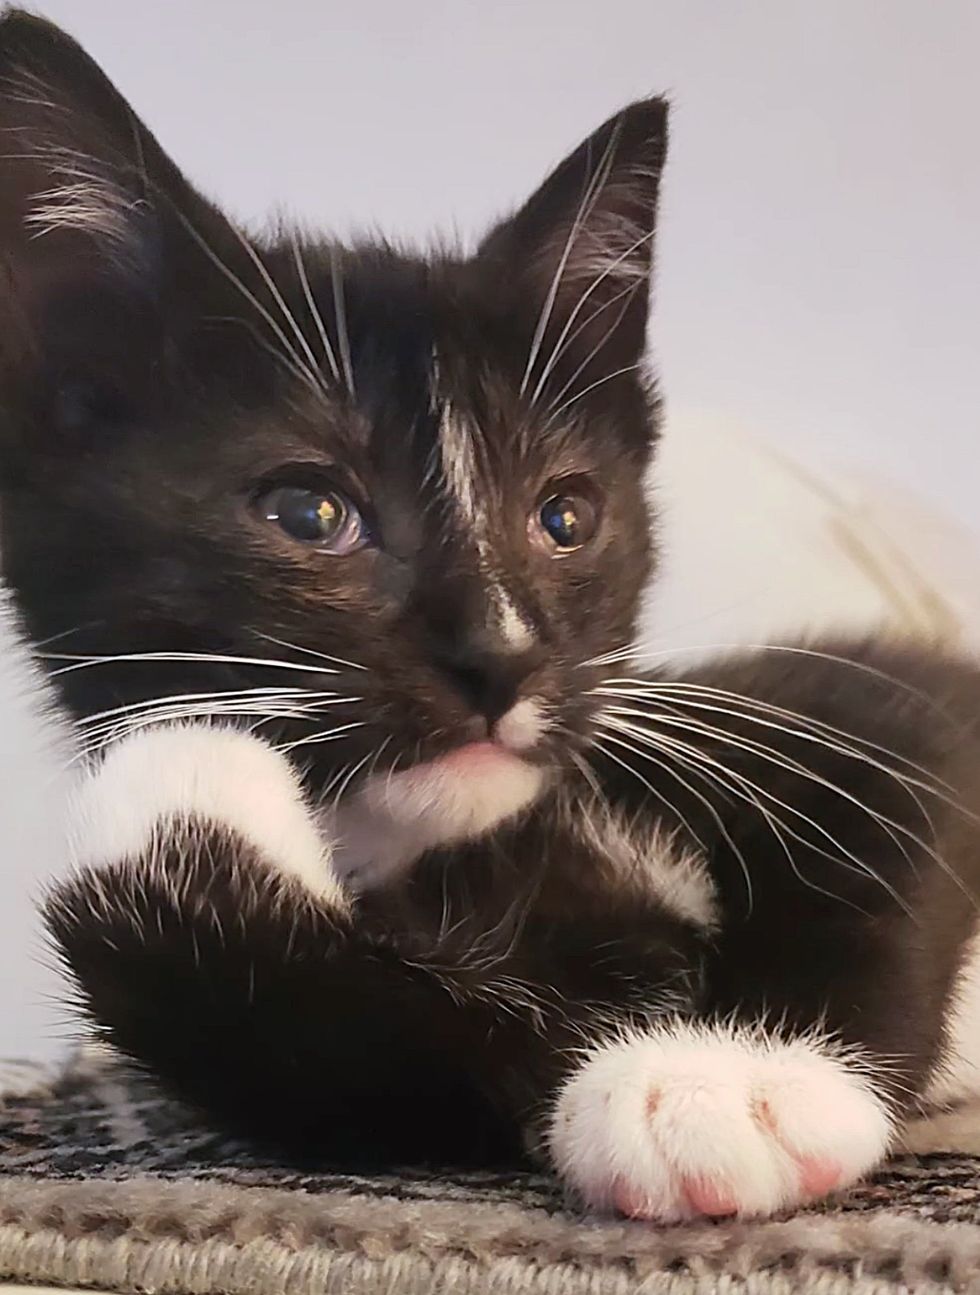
(416, 483)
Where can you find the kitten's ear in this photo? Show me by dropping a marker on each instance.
(96, 258)
(576, 259)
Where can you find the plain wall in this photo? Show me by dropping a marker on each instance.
(819, 274)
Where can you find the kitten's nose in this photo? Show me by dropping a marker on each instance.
(489, 680)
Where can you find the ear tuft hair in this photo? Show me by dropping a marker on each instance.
(580, 252)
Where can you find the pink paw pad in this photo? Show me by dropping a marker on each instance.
(710, 1198)
(819, 1177)
(631, 1203)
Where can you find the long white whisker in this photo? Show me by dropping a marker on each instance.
(632, 652)
(849, 743)
(291, 355)
(778, 758)
(110, 731)
(730, 782)
(280, 300)
(322, 735)
(88, 720)
(311, 304)
(786, 761)
(847, 855)
(668, 768)
(306, 651)
(611, 736)
(80, 661)
(340, 312)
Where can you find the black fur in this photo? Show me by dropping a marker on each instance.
(146, 404)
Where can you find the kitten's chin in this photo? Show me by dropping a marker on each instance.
(391, 820)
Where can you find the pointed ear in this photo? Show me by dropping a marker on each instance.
(96, 258)
(577, 257)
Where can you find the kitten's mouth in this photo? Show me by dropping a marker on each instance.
(394, 817)
(473, 757)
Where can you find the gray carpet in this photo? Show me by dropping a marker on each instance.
(104, 1184)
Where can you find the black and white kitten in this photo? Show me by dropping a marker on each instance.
(388, 852)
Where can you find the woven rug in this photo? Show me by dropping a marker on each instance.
(104, 1184)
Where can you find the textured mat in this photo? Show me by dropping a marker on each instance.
(103, 1184)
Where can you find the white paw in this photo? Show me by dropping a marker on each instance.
(694, 1119)
(172, 773)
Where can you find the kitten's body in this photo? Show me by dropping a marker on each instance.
(392, 510)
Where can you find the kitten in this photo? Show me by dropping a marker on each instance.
(389, 852)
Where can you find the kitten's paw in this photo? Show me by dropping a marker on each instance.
(692, 1119)
(150, 783)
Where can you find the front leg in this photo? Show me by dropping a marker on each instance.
(210, 942)
(790, 1082)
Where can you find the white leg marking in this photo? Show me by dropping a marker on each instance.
(695, 1119)
(169, 774)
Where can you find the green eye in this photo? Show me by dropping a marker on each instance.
(325, 519)
(566, 522)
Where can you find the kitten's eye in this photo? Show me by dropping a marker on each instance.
(565, 522)
(324, 518)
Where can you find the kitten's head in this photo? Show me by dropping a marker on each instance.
(416, 482)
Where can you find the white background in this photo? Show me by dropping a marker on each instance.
(819, 269)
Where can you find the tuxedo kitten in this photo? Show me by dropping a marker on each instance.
(387, 848)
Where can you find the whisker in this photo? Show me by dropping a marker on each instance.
(699, 796)
(110, 733)
(320, 656)
(778, 758)
(88, 720)
(295, 362)
(611, 736)
(322, 735)
(280, 300)
(340, 311)
(81, 661)
(847, 855)
(312, 306)
(850, 742)
(728, 782)
(632, 652)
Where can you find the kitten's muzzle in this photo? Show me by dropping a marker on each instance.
(489, 679)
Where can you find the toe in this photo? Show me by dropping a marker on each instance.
(711, 1197)
(818, 1177)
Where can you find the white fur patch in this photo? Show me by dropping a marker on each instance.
(460, 473)
(514, 629)
(959, 1076)
(521, 727)
(168, 774)
(653, 859)
(459, 465)
(391, 820)
(687, 1119)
